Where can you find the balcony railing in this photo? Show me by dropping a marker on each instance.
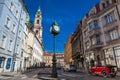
(94, 32)
(96, 46)
(114, 41)
(110, 26)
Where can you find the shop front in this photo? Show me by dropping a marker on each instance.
(2, 63)
(117, 55)
(109, 56)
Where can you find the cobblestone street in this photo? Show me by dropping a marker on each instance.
(40, 74)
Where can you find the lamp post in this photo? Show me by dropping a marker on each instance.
(54, 30)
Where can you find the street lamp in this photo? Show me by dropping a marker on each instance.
(54, 29)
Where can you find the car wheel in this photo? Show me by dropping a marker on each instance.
(104, 73)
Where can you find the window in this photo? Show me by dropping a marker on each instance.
(19, 33)
(11, 6)
(22, 21)
(95, 24)
(13, 28)
(103, 5)
(7, 22)
(17, 48)
(107, 2)
(16, 14)
(37, 21)
(2, 60)
(93, 41)
(10, 45)
(98, 39)
(87, 45)
(91, 26)
(3, 42)
(117, 51)
(113, 34)
(109, 18)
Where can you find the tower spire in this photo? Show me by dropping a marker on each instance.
(38, 11)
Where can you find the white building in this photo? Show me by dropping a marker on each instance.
(37, 45)
(32, 48)
(27, 44)
(12, 22)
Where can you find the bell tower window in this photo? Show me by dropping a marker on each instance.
(36, 31)
(37, 21)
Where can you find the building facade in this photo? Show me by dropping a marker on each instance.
(77, 47)
(60, 60)
(101, 32)
(68, 51)
(12, 19)
(37, 57)
(47, 58)
(27, 46)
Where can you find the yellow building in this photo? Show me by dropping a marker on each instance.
(68, 51)
(47, 58)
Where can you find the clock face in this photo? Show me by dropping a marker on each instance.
(56, 28)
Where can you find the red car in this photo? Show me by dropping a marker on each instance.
(106, 71)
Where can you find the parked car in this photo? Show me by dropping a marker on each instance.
(69, 68)
(105, 71)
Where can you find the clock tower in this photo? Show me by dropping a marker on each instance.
(37, 25)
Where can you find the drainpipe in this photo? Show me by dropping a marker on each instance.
(14, 54)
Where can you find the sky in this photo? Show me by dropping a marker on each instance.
(66, 13)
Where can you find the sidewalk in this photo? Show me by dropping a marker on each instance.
(7, 75)
(118, 74)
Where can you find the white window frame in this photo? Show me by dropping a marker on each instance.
(109, 18)
(7, 22)
(11, 6)
(113, 34)
(16, 13)
(19, 33)
(17, 48)
(93, 41)
(13, 28)
(10, 45)
(3, 42)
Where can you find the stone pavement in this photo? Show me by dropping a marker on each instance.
(7, 75)
(43, 75)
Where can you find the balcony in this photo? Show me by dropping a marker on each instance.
(112, 42)
(94, 32)
(110, 26)
(96, 46)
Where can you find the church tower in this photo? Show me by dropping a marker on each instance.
(37, 25)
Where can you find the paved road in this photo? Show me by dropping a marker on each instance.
(33, 75)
